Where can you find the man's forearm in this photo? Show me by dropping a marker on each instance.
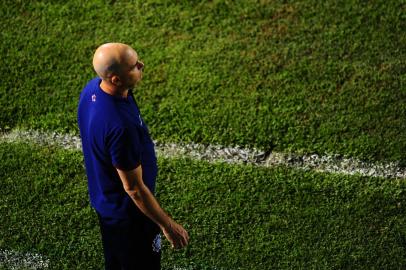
(149, 205)
(134, 186)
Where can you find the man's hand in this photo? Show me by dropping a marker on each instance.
(176, 235)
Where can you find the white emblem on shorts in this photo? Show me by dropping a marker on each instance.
(94, 98)
(139, 116)
(156, 244)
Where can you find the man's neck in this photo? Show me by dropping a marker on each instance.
(113, 90)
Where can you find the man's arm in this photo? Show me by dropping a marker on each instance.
(147, 203)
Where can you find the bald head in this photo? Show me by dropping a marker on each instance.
(118, 66)
(112, 58)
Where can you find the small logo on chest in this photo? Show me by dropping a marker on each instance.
(93, 98)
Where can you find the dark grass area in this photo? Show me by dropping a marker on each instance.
(302, 76)
(239, 217)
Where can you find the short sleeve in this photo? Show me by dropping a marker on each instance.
(124, 148)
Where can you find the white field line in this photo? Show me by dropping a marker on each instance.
(17, 260)
(234, 155)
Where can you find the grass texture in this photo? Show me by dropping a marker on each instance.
(239, 217)
(304, 76)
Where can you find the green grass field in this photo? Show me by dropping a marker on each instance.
(239, 217)
(292, 76)
(305, 76)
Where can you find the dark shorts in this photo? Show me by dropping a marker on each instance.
(131, 243)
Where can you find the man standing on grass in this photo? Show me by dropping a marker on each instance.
(121, 165)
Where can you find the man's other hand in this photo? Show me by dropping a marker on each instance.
(176, 235)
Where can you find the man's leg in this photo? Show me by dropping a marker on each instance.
(112, 243)
(151, 244)
(131, 244)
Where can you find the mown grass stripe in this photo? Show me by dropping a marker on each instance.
(217, 153)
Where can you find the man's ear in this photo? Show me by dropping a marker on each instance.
(116, 80)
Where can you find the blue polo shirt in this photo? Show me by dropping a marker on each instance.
(114, 135)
